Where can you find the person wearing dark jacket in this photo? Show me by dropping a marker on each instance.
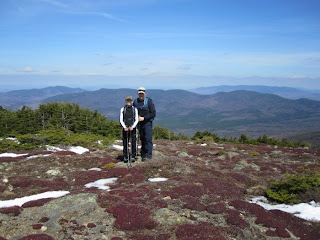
(147, 112)
(129, 120)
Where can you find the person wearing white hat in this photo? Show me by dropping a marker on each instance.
(147, 113)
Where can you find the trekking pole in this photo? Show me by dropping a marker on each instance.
(136, 144)
(130, 148)
(138, 137)
(127, 147)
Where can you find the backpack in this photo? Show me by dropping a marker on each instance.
(129, 120)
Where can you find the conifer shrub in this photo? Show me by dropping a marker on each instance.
(109, 165)
(164, 133)
(206, 136)
(254, 153)
(7, 145)
(298, 187)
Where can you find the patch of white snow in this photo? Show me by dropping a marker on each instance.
(20, 201)
(13, 139)
(117, 147)
(12, 155)
(78, 149)
(53, 148)
(157, 179)
(102, 183)
(95, 169)
(308, 211)
(39, 155)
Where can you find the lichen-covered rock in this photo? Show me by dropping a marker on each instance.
(64, 216)
(202, 231)
(165, 216)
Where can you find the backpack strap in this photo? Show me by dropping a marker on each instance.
(145, 102)
(124, 110)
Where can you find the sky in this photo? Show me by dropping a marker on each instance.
(159, 43)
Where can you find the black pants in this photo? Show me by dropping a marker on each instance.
(145, 131)
(125, 137)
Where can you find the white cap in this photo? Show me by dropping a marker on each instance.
(141, 90)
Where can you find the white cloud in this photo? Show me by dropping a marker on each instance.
(27, 69)
(55, 3)
(101, 14)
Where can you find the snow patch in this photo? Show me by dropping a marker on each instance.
(13, 139)
(12, 155)
(203, 144)
(157, 179)
(101, 184)
(53, 148)
(20, 201)
(75, 149)
(308, 211)
(40, 155)
(78, 149)
(95, 169)
(118, 147)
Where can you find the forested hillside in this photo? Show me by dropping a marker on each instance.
(68, 116)
(55, 123)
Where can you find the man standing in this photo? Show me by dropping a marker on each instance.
(147, 112)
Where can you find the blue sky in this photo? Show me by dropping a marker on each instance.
(159, 43)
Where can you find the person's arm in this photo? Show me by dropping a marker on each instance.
(121, 119)
(152, 110)
(136, 117)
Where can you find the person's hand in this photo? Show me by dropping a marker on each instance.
(131, 128)
(141, 119)
(126, 129)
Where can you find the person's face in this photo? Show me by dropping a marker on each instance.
(142, 96)
(129, 102)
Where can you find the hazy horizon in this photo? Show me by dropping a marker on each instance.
(4, 89)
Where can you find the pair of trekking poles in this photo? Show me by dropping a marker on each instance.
(129, 147)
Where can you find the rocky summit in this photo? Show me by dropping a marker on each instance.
(188, 191)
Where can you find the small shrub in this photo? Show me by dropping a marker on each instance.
(221, 152)
(109, 165)
(254, 153)
(295, 186)
(206, 136)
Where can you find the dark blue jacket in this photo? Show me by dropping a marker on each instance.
(148, 112)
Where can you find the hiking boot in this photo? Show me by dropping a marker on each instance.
(125, 160)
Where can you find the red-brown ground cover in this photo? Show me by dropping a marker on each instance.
(132, 217)
(15, 211)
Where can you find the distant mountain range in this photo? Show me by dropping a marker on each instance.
(32, 97)
(229, 114)
(225, 113)
(286, 92)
